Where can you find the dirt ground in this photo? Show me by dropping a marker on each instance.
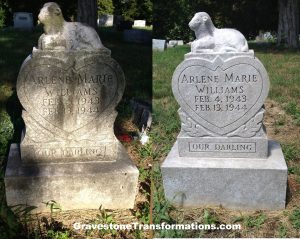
(288, 132)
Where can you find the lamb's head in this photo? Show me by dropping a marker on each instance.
(50, 14)
(200, 20)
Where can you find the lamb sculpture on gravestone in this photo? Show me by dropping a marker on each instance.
(69, 88)
(62, 35)
(211, 39)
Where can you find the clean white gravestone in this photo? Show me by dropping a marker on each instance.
(222, 155)
(139, 23)
(159, 44)
(69, 88)
(173, 43)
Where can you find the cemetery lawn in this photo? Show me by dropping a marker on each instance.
(282, 120)
(136, 62)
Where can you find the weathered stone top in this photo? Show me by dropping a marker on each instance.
(64, 54)
(211, 39)
(69, 99)
(62, 35)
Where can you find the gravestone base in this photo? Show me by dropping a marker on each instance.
(77, 185)
(238, 183)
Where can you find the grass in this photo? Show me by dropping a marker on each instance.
(282, 124)
(14, 48)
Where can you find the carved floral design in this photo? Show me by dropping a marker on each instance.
(251, 127)
(191, 127)
(247, 130)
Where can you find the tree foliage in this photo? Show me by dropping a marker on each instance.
(4, 13)
(129, 9)
(134, 9)
(144, 10)
(69, 7)
(171, 18)
(126, 8)
(105, 7)
(2, 17)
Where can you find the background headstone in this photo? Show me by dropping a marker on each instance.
(173, 43)
(106, 20)
(139, 23)
(158, 44)
(23, 21)
(180, 42)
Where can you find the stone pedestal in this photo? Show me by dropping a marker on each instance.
(79, 185)
(238, 183)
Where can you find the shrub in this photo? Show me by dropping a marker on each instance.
(2, 17)
(6, 131)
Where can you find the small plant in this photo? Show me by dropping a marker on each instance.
(294, 170)
(282, 231)
(293, 109)
(143, 213)
(162, 208)
(144, 174)
(208, 217)
(58, 235)
(254, 221)
(53, 206)
(279, 122)
(290, 151)
(145, 151)
(104, 218)
(295, 218)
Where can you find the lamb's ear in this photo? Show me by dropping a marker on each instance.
(57, 11)
(204, 18)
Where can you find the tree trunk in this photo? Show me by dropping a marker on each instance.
(288, 23)
(87, 12)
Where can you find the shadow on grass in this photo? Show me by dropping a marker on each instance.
(270, 47)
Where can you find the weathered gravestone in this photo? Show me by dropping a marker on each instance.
(222, 155)
(106, 20)
(69, 88)
(23, 21)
